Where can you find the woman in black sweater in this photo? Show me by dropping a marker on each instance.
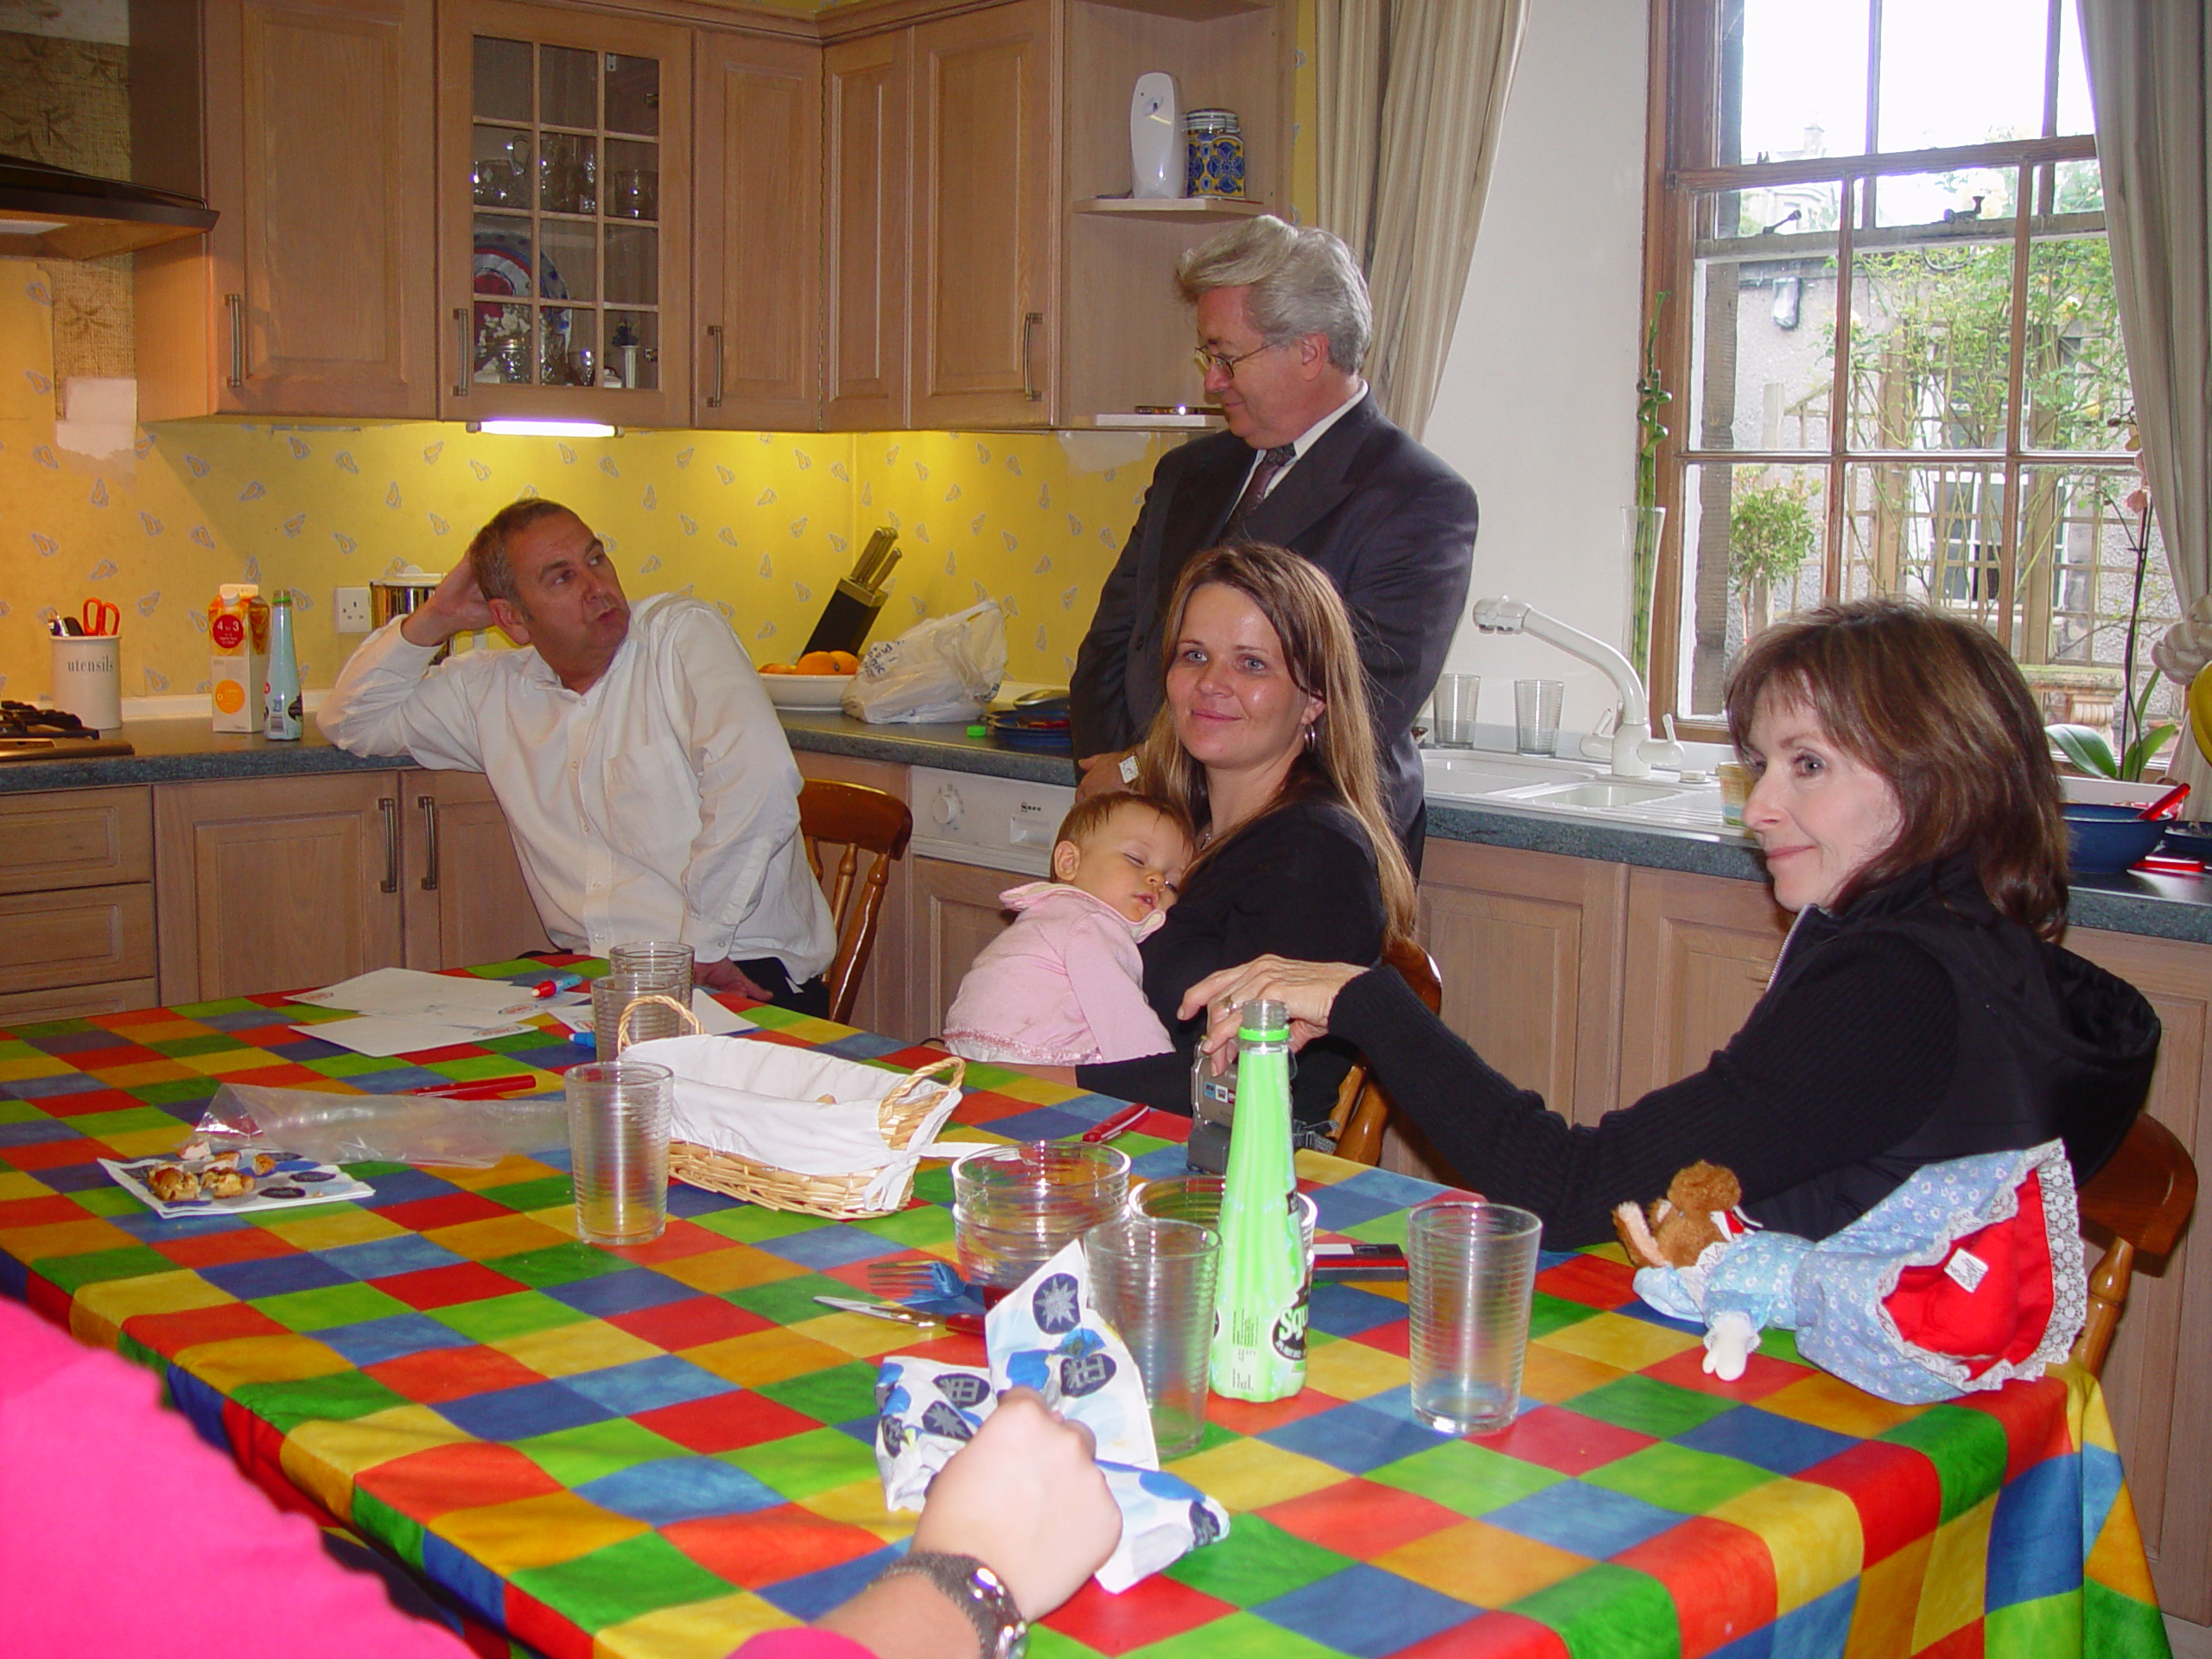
(1910, 815)
(1263, 740)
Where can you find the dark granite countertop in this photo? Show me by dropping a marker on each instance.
(173, 750)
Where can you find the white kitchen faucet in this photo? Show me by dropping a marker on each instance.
(1634, 749)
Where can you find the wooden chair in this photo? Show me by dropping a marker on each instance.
(857, 818)
(2142, 1197)
(1363, 1107)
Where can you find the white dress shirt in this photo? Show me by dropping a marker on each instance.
(1305, 441)
(662, 804)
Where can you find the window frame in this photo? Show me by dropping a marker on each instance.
(1681, 145)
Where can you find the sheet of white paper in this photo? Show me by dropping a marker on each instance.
(715, 1019)
(410, 994)
(383, 1035)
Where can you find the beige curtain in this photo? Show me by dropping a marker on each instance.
(1410, 94)
(2150, 72)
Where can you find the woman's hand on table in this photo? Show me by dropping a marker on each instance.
(1307, 989)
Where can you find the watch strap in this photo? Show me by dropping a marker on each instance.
(977, 1591)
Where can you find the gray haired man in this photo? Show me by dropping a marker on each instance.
(1308, 463)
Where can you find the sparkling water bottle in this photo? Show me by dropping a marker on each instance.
(1259, 1342)
(279, 691)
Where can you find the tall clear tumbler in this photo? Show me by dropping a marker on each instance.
(618, 1149)
(660, 959)
(1471, 1273)
(1153, 1280)
(613, 994)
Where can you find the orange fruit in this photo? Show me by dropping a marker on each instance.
(777, 668)
(846, 663)
(817, 662)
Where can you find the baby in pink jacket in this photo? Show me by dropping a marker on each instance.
(1063, 986)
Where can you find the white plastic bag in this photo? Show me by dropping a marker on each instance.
(944, 668)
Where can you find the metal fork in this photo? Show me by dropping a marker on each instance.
(901, 1280)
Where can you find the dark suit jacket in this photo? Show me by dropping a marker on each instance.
(1394, 527)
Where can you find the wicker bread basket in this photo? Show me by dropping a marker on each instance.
(842, 1196)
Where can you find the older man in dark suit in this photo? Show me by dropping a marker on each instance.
(1309, 463)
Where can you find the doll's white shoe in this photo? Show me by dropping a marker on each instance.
(1729, 1339)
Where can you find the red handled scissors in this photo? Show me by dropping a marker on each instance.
(100, 618)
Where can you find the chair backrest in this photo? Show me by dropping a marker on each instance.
(1363, 1108)
(2142, 1197)
(860, 819)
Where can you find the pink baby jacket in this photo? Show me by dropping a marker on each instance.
(1063, 986)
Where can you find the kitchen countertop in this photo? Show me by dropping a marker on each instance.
(178, 751)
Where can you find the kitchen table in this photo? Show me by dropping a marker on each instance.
(658, 1451)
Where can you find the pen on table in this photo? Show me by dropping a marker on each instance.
(469, 1086)
(1120, 1123)
(557, 984)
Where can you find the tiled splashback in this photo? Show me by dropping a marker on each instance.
(762, 524)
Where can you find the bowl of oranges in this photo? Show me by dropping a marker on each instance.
(816, 680)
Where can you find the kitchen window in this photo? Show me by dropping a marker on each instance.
(1891, 336)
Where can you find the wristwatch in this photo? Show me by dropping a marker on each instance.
(1129, 770)
(975, 1591)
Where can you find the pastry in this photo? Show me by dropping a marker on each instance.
(172, 1184)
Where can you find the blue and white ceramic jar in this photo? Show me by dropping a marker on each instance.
(1216, 164)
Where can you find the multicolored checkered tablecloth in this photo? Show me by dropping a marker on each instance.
(655, 1452)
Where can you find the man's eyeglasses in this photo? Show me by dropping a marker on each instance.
(1206, 359)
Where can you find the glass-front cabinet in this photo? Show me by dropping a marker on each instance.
(565, 197)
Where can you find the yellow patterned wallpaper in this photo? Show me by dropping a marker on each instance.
(762, 524)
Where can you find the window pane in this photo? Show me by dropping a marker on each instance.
(2076, 369)
(633, 95)
(1932, 533)
(567, 86)
(1973, 204)
(502, 80)
(632, 180)
(1752, 539)
(567, 173)
(1961, 71)
(633, 350)
(2073, 115)
(1764, 303)
(1804, 81)
(1931, 346)
(500, 169)
(570, 266)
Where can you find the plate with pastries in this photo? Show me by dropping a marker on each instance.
(197, 1181)
(817, 680)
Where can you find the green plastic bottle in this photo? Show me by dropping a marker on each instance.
(1259, 1341)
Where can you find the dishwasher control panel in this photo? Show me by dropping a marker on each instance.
(997, 824)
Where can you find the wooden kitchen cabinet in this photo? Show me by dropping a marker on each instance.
(758, 264)
(564, 216)
(76, 904)
(956, 914)
(464, 901)
(308, 125)
(1700, 950)
(865, 94)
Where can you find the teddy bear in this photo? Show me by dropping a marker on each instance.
(1678, 1241)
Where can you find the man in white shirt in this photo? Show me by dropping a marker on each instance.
(649, 789)
(1308, 463)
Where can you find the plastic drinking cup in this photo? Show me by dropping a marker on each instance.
(618, 1149)
(1536, 714)
(1016, 1207)
(660, 959)
(1153, 1280)
(1471, 1273)
(1197, 1199)
(1455, 706)
(613, 994)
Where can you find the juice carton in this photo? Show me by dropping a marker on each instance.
(238, 628)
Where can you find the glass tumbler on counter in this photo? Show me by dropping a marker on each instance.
(614, 995)
(661, 959)
(1453, 710)
(1153, 1280)
(1015, 1207)
(1536, 714)
(618, 1149)
(1471, 1273)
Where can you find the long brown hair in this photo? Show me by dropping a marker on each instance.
(1321, 655)
(1935, 705)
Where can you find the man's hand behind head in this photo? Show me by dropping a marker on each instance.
(456, 605)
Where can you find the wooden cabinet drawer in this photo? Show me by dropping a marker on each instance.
(81, 936)
(76, 838)
(77, 1001)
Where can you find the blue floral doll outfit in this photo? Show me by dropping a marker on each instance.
(1969, 1275)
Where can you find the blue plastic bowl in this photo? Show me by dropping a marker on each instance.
(2107, 840)
(2187, 841)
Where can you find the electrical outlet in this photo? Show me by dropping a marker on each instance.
(352, 608)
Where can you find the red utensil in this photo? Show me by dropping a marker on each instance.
(1123, 1120)
(476, 1088)
(2167, 805)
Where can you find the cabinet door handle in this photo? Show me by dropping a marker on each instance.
(236, 304)
(715, 333)
(429, 806)
(460, 317)
(1029, 322)
(389, 805)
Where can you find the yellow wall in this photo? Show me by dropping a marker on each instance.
(762, 524)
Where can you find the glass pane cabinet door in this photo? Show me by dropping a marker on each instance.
(566, 250)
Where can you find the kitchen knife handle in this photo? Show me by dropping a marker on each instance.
(429, 806)
(1029, 323)
(389, 805)
(236, 302)
(715, 333)
(468, 369)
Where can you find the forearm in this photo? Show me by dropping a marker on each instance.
(384, 702)
(904, 1618)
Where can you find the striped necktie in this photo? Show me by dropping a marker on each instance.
(1255, 488)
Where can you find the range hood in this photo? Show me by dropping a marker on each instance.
(52, 212)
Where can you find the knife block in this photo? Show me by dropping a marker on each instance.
(847, 617)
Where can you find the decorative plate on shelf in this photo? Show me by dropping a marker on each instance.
(806, 690)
